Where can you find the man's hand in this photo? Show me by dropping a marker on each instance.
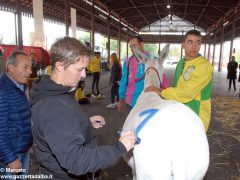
(153, 89)
(31, 149)
(128, 140)
(15, 165)
(121, 104)
(97, 121)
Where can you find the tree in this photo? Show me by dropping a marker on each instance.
(152, 48)
(174, 52)
(237, 56)
(85, 37)
(113, 45)
(123, 50)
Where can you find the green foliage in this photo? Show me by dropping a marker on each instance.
(85, 37)
(237, 56)
(113, 45)
(129, 52)
(175, 52)
(152, 48)
(104, 42)
(123, 54)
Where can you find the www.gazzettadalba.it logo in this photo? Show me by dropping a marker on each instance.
(7, 173)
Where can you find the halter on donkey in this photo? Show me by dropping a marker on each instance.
(173, 142)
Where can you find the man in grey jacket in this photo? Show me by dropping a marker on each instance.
(64, 137)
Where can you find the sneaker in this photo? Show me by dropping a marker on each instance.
(111, 106)
(94, 96)
(100, 96)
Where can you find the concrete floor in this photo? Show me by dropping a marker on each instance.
(115, 120)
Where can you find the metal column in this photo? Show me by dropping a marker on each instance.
(119, 39)
(221, 50)
(182, 48)
(233, 34)
(205, 46)
(108, 42)
(209, 49)
(214, 47)
(67, 17)
(92, 26)
(19, 24)
(127, 39)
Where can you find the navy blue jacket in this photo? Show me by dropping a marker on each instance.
(15, 126)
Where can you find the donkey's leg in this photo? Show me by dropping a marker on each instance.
(152, 156)
(191, 167)
(198, 161)
(131, 163)
(129, 159)
(152, 166)
(191, 155)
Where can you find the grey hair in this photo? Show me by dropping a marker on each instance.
(12, 57)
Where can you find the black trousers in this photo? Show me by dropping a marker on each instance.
(45, 172)
(230, 84)
(96, 76)
(114, 92)
(55, 176)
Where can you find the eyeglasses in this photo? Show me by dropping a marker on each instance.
(190, 42)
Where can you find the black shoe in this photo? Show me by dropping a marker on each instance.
(88, 95)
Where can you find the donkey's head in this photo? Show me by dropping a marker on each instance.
(154, 74)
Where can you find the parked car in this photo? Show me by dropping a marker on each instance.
(104, 64)
(171, 61)
(174, 62)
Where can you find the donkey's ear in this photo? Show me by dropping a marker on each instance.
(164, 53)
(139, 55)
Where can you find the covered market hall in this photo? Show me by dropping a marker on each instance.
(106, 26)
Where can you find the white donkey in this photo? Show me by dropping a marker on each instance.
(173, 142)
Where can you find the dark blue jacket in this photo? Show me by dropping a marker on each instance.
(15, 126)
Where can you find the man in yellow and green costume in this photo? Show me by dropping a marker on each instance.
(193, 79)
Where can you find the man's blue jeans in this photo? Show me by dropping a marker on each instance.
(24, 158)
